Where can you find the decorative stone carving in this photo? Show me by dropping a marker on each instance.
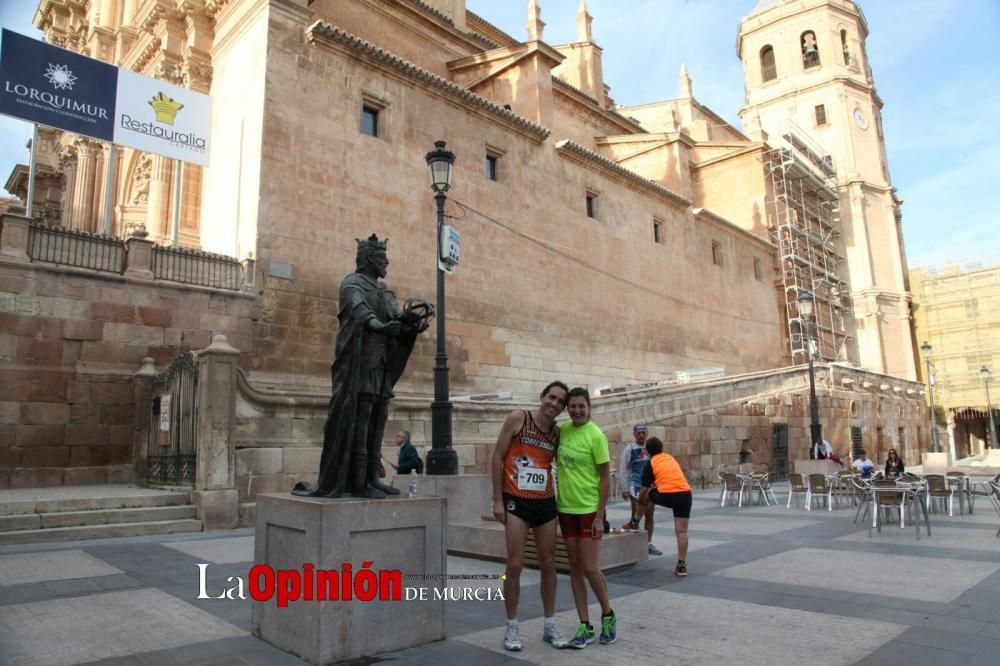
(139, 190)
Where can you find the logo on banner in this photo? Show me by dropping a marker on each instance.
(166, 108)
(60, 77)
(45, 84)
(160, 118)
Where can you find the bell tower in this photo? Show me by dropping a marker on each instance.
(808, 81)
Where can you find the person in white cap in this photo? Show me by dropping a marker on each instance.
(633, 461)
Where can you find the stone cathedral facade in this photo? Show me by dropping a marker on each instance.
(604, 244)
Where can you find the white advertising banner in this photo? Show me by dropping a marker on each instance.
(160, 118)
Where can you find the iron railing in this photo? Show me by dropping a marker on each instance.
(70, 247)
(197, 267)
(81, 249)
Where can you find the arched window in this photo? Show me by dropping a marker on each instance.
(768, 71)
(810, 49)
(845, 47)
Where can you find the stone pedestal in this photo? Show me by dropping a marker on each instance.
(406, 535)
(139, 258)
(215, 497)
(935, 463)
(470, 496)
(14, 238)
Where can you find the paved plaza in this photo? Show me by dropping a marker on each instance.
(767, 585)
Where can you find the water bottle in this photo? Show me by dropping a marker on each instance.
(413, 483)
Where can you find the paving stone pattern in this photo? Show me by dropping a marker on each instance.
(767, 585)
(684, 629)
(217, 551)
(922, 578)
(59, 565)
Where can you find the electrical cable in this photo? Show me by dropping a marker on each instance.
(550, 247)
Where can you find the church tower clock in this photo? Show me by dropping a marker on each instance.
(807, 75)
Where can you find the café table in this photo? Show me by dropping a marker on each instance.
(749, 482)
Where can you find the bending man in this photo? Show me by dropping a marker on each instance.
(664, 484)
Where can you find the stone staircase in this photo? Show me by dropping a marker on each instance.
(67, 513)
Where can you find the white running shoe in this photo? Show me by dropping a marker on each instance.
(553, 637)
(512, 639)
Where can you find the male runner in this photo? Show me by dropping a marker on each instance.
(524, 498)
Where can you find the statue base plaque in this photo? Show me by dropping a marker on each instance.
(300, 538)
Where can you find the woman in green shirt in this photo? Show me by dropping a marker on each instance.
(584, 475)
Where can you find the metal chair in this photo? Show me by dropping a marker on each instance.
(960, 481)
(981, 489)
(818, 487)
(994, 487)
(862, 495)
(798, 486)
(888, 501)
(844, 487)
(730, 484)
(938, 489)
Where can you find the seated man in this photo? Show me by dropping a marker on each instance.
(863, 465)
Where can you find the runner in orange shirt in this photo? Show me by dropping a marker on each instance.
(664, 484)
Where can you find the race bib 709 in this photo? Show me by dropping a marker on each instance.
(532, 478)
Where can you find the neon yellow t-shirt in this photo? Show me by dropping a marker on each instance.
(580, 451)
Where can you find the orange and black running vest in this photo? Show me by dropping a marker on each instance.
(530, 448)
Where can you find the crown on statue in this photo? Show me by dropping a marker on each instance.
(166, 108)
(372, 244)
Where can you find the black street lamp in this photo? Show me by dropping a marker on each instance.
(926, 349)
(992, 439)
(441, 459)
(815, 429)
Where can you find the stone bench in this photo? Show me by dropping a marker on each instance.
(485, 539)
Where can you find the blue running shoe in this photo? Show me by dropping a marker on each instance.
(584, 636)
(609, 629)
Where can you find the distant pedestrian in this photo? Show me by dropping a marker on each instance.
(408, 460)
(664, 484)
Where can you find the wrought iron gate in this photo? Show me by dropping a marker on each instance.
(857, 446)
(171, 447)
(779, 448)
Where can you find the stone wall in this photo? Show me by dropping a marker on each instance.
(543, 290)
(70, 341)
(706, 425)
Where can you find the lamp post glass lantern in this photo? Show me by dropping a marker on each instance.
(926, 349)
(991, 440)
(816, 449)
(441, 459)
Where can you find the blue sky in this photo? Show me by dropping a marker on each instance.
(931, 61)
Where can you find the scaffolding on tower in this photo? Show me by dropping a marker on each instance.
(804, 213)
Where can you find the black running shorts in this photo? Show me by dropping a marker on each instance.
(535, 512)
(679, 502)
